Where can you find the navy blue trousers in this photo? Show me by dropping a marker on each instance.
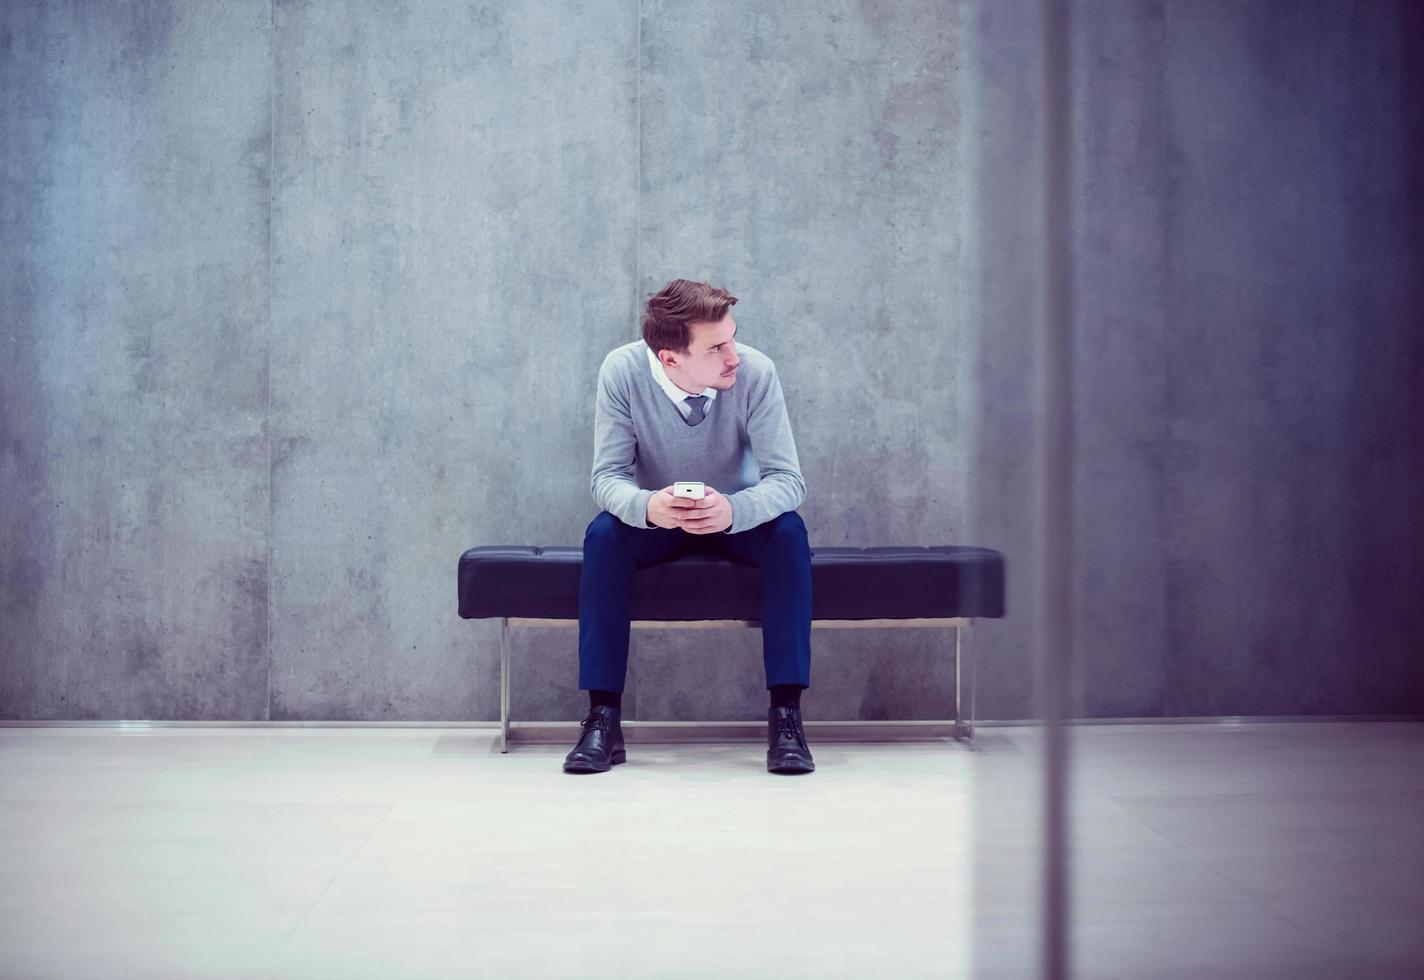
(613, 551)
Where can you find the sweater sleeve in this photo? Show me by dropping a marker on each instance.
(781, 487)
(615, 445)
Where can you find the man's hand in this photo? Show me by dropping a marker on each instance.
(711, 514)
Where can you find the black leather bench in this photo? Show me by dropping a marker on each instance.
(943, 586)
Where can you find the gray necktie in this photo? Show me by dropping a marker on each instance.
(699, 408)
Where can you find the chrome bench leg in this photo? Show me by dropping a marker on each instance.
(963, 726)
(965, 675)
(504, 684)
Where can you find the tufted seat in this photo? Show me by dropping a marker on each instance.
(939, 586)
(846, 583)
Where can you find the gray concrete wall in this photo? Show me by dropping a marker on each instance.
(134, 317)
(302, 300)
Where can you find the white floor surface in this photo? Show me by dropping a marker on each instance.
(1251, 850)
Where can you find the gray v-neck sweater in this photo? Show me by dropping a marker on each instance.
(743, 448)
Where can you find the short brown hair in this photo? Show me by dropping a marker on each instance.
(671, 311)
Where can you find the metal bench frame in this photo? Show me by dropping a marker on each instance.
(960, 727)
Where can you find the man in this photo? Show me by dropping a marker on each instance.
(686, 403)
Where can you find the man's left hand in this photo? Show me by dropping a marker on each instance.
(712, 514)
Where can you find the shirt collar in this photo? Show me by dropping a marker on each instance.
(673, 391)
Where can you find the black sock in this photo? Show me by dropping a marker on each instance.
(788, 695)
(612, 698)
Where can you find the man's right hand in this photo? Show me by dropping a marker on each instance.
(667, 510)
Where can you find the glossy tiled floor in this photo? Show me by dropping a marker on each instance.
(1254, 851)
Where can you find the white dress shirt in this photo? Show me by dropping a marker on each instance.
(678, 396)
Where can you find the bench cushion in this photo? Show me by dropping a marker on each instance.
(846, 583)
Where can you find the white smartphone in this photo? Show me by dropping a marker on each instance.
(691, 490)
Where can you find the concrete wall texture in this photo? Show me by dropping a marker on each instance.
(301, 300)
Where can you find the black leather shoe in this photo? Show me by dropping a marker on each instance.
(600, 747)
(786, 749)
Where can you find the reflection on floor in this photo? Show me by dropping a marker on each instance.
(1254, 850)
(1251, 850)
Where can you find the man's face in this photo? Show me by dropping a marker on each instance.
(711, 361)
